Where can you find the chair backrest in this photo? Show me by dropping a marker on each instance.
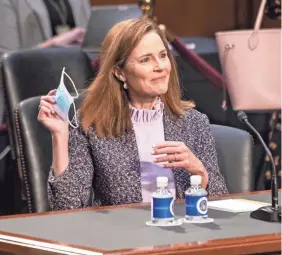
(1, 106)
(35, 152)
(1, 93)
(34, 72)
(234, 149)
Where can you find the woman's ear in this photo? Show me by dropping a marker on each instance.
(118, 73)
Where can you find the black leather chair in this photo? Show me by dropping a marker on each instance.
(234, 148)
(34, 72)
(30, 73)
(35, 152)
(1, 96)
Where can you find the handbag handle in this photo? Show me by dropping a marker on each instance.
(254, 39)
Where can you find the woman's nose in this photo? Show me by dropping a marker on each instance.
(159, 65)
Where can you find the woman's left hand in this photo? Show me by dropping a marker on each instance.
(178, 155)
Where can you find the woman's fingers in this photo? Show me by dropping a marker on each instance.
(172, 157)
(164, 159)
(49, 99)
(168, 150)
(52, 92)
(167, 144)
(48, 102)
(47, 105)
(44, 111)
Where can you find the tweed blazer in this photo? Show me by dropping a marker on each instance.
(26, 23)
(106, 171)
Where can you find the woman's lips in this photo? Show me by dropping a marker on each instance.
(161, 78)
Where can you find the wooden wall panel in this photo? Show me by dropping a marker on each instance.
(205, 17)
(196, 18)
(242, 11)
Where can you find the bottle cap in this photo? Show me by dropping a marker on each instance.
(195, 179)
(162, 181)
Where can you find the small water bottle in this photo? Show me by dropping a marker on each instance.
(196, 202)
(162, 202)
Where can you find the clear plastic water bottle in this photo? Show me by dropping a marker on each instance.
(162, 202)
(196, 202)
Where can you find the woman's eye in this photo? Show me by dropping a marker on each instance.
(144, 60)
(163, 55)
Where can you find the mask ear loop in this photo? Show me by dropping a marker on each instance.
(63, 72)
(62, 76)
(74, 118)
(77, 95)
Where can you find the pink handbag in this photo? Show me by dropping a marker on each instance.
(250, 61)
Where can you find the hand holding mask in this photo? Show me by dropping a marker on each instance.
(54, 108)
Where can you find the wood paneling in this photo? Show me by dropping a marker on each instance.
(205, 17)
(196, 18)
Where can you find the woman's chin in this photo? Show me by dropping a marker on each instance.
(162, 91)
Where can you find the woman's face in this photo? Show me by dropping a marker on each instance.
(147, 69)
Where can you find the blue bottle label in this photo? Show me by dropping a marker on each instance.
(162, 208)
(196, 205)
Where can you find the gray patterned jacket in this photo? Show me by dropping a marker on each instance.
(107, 171)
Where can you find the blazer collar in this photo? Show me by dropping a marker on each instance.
(42, 16)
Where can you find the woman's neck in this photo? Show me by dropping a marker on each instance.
(147, 104)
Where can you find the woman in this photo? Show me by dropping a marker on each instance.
(133, 128)
(42, 23)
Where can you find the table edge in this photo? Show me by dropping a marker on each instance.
(111, 207)
(269, 240)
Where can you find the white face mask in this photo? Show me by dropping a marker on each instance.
(64, 100)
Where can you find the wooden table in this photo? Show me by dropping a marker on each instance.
(249, 244)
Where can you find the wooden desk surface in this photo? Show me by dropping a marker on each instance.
(14, 243)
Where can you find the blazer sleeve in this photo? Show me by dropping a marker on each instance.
(9, 26)
(208, 156)
(73, 188)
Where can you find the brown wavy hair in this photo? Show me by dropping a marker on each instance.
(106, 105)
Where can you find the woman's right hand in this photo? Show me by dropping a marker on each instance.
(72, 37)
(49, 118)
